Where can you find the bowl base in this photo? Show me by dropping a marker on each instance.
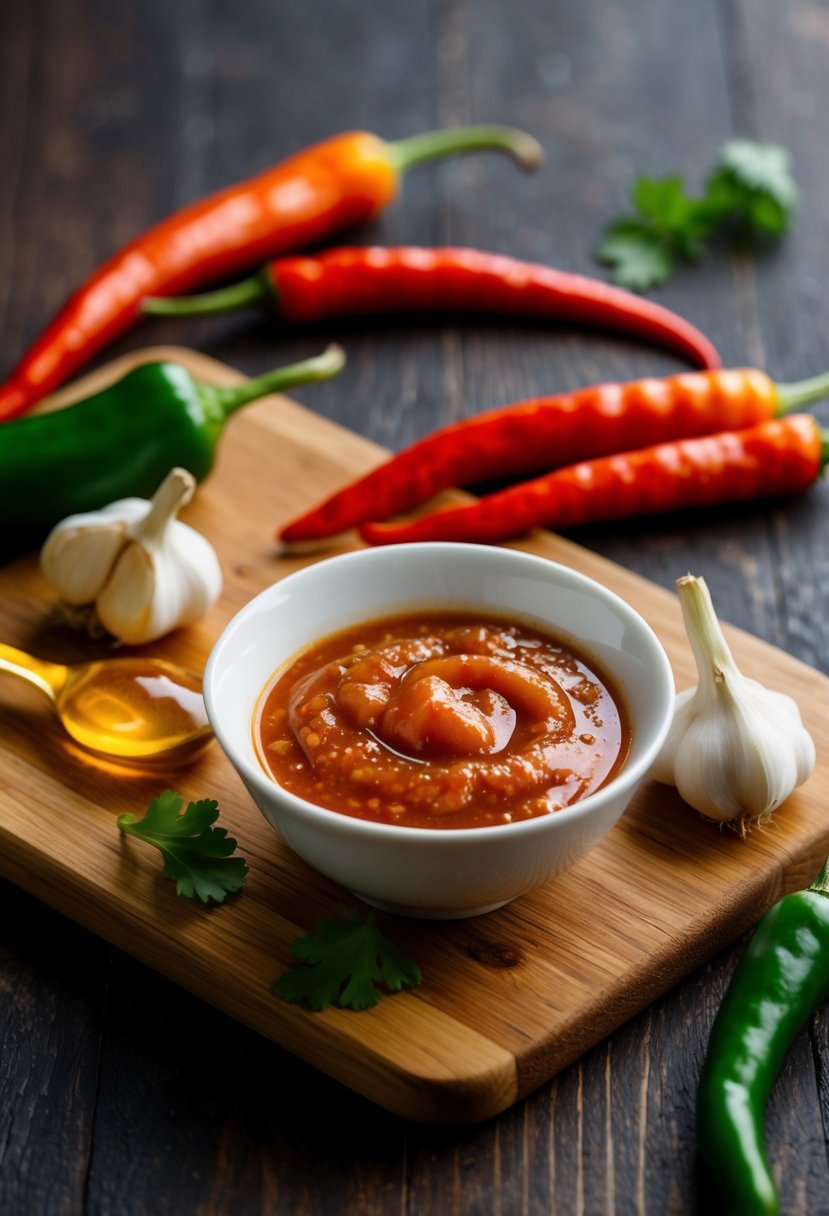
(416, 913)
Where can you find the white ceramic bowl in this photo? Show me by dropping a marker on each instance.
(424, 872)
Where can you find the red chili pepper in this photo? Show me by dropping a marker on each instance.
(548, 432)
(343, 282)
(333, 185)
(777, 457)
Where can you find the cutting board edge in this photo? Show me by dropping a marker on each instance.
(704, 938)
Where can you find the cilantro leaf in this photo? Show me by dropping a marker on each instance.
(677, 218)
(639, 257)
(752, 185)
(346, 961)
(196, 855)
(749, 192)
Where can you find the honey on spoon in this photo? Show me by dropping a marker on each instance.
(138, 711)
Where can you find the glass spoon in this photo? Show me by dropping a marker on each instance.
(139, 711)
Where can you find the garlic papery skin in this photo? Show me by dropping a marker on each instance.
(142, 570)
(735, 750)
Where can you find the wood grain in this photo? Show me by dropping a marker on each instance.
(508, 999)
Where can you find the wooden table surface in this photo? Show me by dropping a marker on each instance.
(120, 1093)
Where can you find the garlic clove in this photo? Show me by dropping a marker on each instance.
(124, 604)
(78, 561)
(157, 588)
(664, 767)
(80, 552)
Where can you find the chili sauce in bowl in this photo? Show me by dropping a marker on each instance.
(441, 720)
(500, 710)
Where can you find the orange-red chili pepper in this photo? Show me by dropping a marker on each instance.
(777, 457)
(548, 432)
(343, 282)
(321, 190)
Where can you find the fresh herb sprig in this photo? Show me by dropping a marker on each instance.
(347, 961)
(197, 856)
(749, 195)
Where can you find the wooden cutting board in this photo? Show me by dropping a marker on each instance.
(507, 999)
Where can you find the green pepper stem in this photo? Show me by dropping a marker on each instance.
(320, 367)
(821, 883)
(803, 392)
(256, 290)
(523, 148)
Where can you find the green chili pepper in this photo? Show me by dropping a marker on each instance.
(123, 441)
(779, 981)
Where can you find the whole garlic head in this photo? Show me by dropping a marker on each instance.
(735, 750)
(140, 569)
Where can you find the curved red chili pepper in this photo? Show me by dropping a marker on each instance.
(346, 282)
(548, 432)
(778, 457)
(321, 190)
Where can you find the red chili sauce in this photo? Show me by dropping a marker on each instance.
(441, 721)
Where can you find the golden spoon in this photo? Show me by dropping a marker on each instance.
(139, 711)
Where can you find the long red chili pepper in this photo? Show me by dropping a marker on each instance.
(548, 432)
(778, 457)
(343, 282)
(321, 190)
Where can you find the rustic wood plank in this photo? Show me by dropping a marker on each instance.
(53, 1005)
(226, 1092)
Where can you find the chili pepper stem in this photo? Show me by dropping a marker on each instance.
(525, 151)
(320, 367)
(258, 289)
(403, 154)
(821, 883)
(803, 392)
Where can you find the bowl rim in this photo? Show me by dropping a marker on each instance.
(629, 776)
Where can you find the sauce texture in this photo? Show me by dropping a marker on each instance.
(441, 721)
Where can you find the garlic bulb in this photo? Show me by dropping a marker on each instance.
(141, 571)
(735, 750)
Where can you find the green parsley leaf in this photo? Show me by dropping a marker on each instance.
(639, 256)
(761, 167)
(754, 182)
(347, 960)
(670, 211)
(749, 192)
(196, 855)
